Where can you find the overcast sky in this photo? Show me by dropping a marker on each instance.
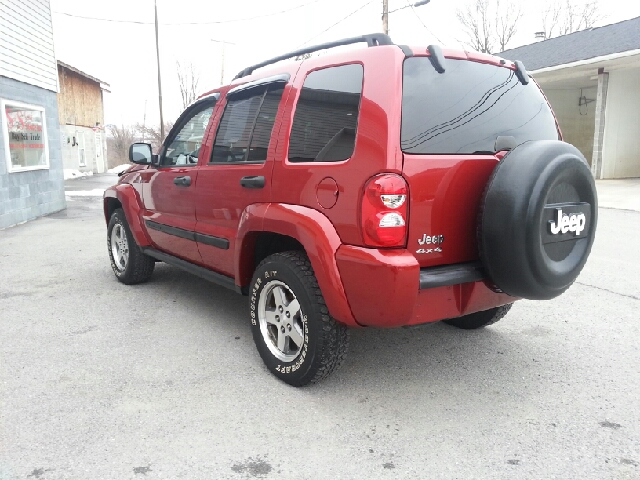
(123, 54)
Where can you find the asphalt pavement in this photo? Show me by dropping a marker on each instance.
(99, 380)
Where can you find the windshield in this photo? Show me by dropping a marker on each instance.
(465, 109)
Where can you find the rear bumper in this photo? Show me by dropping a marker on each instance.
(387, 288)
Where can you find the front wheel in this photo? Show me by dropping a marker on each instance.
(128, 262)
(480, 319)
(296, 337)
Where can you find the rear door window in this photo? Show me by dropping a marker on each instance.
(326, 118)
(465, 109)
(246, 125)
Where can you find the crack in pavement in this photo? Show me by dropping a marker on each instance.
(610, 291)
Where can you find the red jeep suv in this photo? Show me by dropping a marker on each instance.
(375, 187)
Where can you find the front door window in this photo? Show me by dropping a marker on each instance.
(185, 146)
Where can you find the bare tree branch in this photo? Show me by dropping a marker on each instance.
(591, 14)
(551, 18)
(569, 16)
(474, 17)
(188, 79)
(151, 134)
(118, 142)
(507, 19)
(489, 24)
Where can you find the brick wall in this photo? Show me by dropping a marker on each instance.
(27, 195)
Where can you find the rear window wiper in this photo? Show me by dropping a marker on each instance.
(502, 143)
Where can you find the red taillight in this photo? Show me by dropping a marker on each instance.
(384, 211)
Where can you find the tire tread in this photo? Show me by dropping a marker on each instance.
(140, 266)
(480, 319)
(334, 343)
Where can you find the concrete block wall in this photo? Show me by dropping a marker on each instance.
(31, 194)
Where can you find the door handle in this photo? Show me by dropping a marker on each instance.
(252, 182)
(182, 181)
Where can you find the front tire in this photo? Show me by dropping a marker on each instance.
(296, 337)
(480, 319)
(129, 264)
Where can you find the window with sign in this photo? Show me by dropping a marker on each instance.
(25, 136)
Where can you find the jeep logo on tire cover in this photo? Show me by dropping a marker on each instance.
(567, 221)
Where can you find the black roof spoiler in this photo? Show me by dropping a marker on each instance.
(436, 57)
(372, 40)
(521, 72)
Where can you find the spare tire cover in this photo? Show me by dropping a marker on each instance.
(538, 219)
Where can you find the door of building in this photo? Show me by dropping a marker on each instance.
(100, 166)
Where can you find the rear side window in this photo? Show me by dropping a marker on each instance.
(326, 118)
(465, 109)
(246, 125)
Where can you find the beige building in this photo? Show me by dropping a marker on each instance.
(81, 115)
(592, 81)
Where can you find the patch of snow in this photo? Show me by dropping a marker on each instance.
(120, 168)
(70, 173)
(96, 192)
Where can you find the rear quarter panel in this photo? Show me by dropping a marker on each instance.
(377, 141)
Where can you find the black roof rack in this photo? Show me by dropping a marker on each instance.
(372, 39)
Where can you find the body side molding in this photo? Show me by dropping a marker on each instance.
(202, 272)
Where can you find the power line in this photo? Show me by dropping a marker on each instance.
(420, 20)
(103, 19)
(338, 22)
(216, 22)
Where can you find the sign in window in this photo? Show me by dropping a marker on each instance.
(25, 136)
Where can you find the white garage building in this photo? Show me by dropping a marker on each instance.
(592, 80)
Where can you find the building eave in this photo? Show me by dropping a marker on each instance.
(588, 61)
(103, 85)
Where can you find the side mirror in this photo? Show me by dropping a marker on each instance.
(141, 154)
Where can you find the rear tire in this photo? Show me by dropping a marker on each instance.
(296, 337)
(129, 264)
(479, 319)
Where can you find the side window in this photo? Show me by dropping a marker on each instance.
(246, 125)
(185, 146)
(326, 118)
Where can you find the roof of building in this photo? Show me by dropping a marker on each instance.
(86, 75)
(583, 45)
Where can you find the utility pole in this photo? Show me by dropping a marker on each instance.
(222, 66)
(144, 119)
(385, 17)
(155, 4)
(224, 46)
(386, 12)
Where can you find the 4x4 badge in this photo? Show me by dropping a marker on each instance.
(429, 250)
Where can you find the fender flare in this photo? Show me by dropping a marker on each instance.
(317, 235)
(132, 207)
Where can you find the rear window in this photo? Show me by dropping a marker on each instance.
(465, 109)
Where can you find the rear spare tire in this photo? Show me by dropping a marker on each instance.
(538, 219)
